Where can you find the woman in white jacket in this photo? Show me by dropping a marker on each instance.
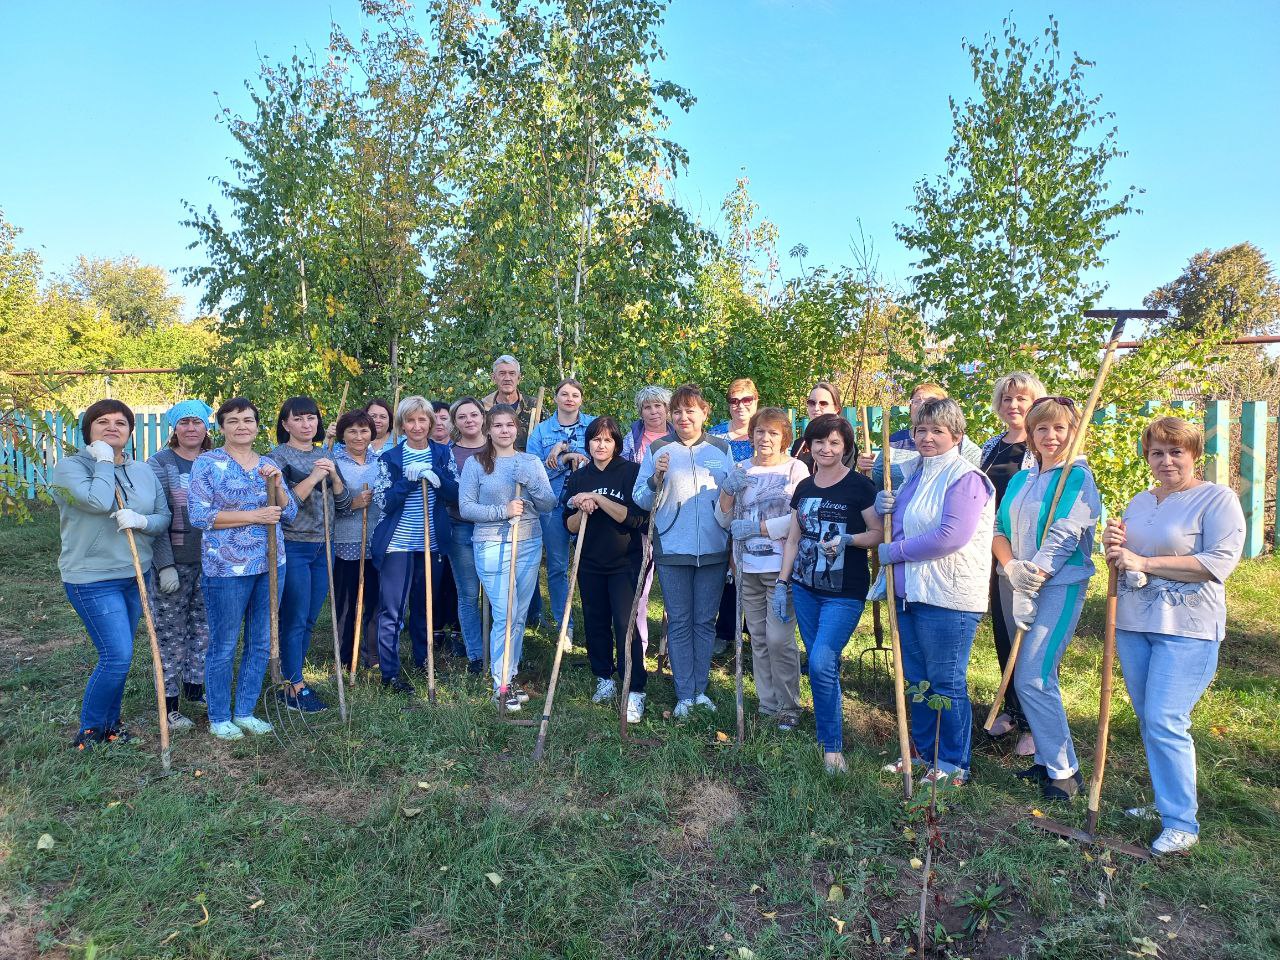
(941, 558)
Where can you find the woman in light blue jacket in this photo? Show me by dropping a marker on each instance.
(690, 548)
(95, 562)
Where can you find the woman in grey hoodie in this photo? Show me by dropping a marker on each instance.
(95, 562)
(690, 548)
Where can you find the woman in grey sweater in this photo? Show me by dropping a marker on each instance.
(487, 497)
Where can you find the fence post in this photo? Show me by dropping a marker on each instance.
(791, 412)
(1253, 473)
(1217, 441)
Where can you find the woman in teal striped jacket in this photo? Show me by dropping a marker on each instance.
(1045, 566)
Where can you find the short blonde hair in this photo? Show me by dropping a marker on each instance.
(414, 404)
(1017, 380)
(1050, 411)
(931, 389)
(1175, 431)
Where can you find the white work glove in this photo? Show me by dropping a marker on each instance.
(1135, 579)
(420, 471)
(884, 502)
(102, 451)
(1024, 610)
(169, 580)
(736, 481)
(1024, 576)
(778, 602)
(127, 519)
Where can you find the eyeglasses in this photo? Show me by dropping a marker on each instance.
(741, 401)
(1065, 401)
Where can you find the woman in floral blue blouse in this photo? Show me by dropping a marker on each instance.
(228, 501)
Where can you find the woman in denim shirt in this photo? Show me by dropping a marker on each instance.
(228, 501)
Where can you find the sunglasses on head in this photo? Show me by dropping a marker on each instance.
(741, 401)
(1065, 401)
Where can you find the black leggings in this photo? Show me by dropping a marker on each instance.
(606, 605)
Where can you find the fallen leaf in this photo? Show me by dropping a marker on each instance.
(838, 922)
(494, 878)
(411, 811)
(199, 773)
(755, 888)
(727, 937)
(908, 833)
(835, 894)
(722, 737)
(203, 921)
(1062, 843)
(45, 842)
(768, 914)
(423, 785)
(916, 863)
(169, 939)
(1164, 918)
(114, 803)
(1109, 871)
(445, 868)
(1171, 935)
(256, 904)
(1036, 813)
(1218, 730)
(746, 954)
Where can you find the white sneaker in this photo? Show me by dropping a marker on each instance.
(635, 707)
(226, 730)
(519, 692)
(605, 689)
(178, 722)
(702, 700)
(252, 724)
(683, 709)
(510, 701)
(1148, 812)
(1173, 841)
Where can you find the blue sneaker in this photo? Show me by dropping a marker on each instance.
(304, 701)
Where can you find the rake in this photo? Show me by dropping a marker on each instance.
(427, 569)
(890, 596)
(157, 664)
(563, 643)
(328, 566)
(290, 727)
(880, 657)
(359, 625)
(646, 564)
(1073, 451)
(511, 590)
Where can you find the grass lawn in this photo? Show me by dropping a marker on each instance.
(426, 831)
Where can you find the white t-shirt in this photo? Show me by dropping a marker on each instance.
(1205, 522)
(768, 497)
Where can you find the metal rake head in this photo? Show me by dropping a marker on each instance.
(291, 728)
(873, 668)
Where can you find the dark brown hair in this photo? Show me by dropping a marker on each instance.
(688, 395)
(235, 405)
(820, 428)
(605, 425)
(101, 409)
(353, 418)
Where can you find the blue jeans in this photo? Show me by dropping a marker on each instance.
(232, 603)
(493, 564)
(935, 647)
(306, 584)
(826, 624)
(692, 599)
(555, 537)
(110, 610)
(402, 588)
(463, 561)
(1166, 675)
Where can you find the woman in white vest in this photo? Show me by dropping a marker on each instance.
(941, 558)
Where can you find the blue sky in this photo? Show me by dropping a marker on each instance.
(834, 108)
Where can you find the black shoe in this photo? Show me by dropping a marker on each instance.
(398, 684)
(475, 666)
(119, 736)
(1037, 772)
(86, 739)
(1062, 790)
(193, 692)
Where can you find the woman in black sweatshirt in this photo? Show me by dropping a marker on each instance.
(610, 564)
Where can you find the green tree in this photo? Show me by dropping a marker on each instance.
(134, 295)
(1233, 290)
(1008, 234)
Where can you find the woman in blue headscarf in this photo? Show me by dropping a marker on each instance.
(177, 606)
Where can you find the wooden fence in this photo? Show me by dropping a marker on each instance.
(51, 438)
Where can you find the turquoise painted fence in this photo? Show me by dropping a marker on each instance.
(1250, 477)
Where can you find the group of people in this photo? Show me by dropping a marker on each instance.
(747, 525)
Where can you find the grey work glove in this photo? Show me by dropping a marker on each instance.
(1024, 610)
(885, 502)
(837, 543)
(742, 529)
(1024, 576)
(127, 519)
(736, 481)
(169, 580)
(778, 602)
